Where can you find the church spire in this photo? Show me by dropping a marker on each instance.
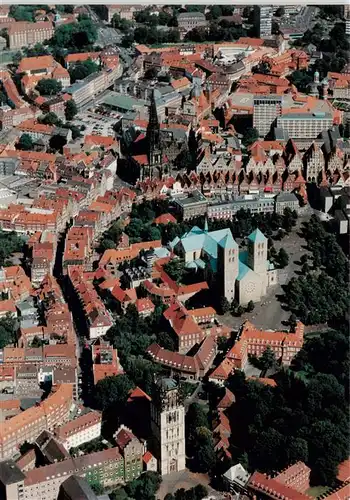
(153, 134)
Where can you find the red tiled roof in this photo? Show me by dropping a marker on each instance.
(344, 471)
(274, 489)
(147, 457)
(165, 219)
(137, 393)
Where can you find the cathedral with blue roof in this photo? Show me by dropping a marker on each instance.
(242, 275)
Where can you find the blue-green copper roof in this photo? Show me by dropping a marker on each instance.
(257, 236)
(243, 267)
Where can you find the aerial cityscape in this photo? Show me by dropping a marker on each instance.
(174, 252)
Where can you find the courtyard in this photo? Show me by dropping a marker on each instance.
(186, 479)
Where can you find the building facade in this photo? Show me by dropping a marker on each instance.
(79, 431)
(168, 427)
(265, 111)
(263, 20)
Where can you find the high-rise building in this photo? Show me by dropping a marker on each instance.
(168, 426)
(263, 20)
(347, 19)
(265, 111)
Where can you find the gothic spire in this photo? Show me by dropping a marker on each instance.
(153, 128)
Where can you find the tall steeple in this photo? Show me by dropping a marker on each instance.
(153, 134)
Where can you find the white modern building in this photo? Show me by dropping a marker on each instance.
(79, 431)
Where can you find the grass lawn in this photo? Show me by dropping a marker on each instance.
(317, 491)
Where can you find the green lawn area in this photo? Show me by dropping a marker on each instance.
(317, 491)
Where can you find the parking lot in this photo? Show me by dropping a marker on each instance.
(97, 123)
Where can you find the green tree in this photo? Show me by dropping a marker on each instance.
(36, 51)
(282, 258)
(70, 110)
(169, 496)
(280, 12)
(145, 486)
(25, 143)
(292, 322)
(250, 306)
(224, 305)
(203, 450)
(121, 24)
(175, 268)
(96, 487)
(200, 492)
(301, 79)
(36, 342)
(113, 391)
(50, 119)
(8, 330)
(268, 359)
(82, 69)
(49, 87)
(239, 311)
(250, 136)
(76, 35)
(22, 12)
(127, 40)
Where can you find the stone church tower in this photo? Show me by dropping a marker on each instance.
(228, 262)
(168, 426)
(257, 251)
(257, 256)
(153, 137)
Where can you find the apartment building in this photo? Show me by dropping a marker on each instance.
(43, 257)
(187, 21)
(11, 481)
(191, 206)
(263, 20)
(105, 467)
(251, 340)
(347, 19)
(97, 319)
(80, 430)
(27, 425)
(305, 125)
(105, 360)
(265, 111)
(88, 89)
(24, 34)
(314, 162)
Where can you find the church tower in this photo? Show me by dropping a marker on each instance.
(257, 252)
(154, 149)
(168, 426)
(228, 262)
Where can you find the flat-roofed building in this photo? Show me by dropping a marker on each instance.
(305, 125)
(265, 111)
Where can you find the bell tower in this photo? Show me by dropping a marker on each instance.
(154, 148)
(257, 252)
(168, 426)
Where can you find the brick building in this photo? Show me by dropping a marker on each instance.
(24, 34)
